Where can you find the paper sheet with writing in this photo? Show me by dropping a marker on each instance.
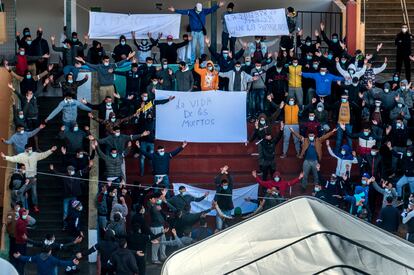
(213, 116)
(106, 25)
(260, 22)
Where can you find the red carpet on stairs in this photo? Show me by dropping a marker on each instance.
(199, 163)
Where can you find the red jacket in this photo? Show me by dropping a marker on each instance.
(21, 65)
(21, 229)
(282, 184)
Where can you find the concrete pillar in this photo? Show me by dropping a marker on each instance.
(69, 7)
(213, 37)
(352, 23)
(93, 178)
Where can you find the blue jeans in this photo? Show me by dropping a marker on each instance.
(219, 220)
(147, 147)
(66, 202)
(198, 38)
(403, 181)
(256, 102)
(340, 134)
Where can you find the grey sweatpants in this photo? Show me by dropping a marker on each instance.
(158, 247)
(286, 138)
(308, 166)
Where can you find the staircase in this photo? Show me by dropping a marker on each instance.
(199, 163)
(50, 189)
(383, 21)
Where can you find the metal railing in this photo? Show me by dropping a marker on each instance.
(310, 21)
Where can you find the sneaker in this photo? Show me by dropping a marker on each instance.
(36, 209)
(156, 262)
(254, 154)
(299, 156)
(283, 156)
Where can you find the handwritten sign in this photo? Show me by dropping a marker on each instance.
(213, 116)
(261, 22)
(106, 25)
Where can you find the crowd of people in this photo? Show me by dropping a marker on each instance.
(311, 89)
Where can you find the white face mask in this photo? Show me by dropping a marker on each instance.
(386, 90)
(262, 122)
(113, 119)
(21, 116)
(404, 30)
(291, 102)
(75, 129)
(106, 64)
(258, 68)
(323, 73)
(320, 109)
(30, 151)
(145, 98)
(317, 189)
(238, 69)
(165, 66)
(311, 138)
(81, 156)
(21, 132)
(276, 179)
(311, 118)
(343, 152)
(169, 43)
(71, 173)
(117, 134)
(199, 7)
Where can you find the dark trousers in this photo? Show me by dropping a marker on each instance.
(141, 264)
(225, 39)
(19, 265)
(267, 170)
(407, 65)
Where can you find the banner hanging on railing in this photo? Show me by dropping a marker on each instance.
(239, 195)
(213, 116)
(260, 22)
(106, 25)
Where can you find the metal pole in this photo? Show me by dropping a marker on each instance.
(213, 26)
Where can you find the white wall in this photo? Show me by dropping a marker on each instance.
(49, 14)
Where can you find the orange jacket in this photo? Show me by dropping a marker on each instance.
(209, 79)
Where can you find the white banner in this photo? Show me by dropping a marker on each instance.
(106, 25)
(213, 116)
(239, 196)
(261, 22)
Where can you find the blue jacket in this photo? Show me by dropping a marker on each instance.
(323, 82)
(69, 110)
(194, 21)
(45, 263)
(161, 164)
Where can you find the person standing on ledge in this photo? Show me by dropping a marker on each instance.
(197, 18)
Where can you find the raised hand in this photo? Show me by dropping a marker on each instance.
(322, 26)
(171, 9)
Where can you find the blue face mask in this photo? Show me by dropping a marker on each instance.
(309, 57)
(161, 153)
(308, 44)
(335, 40)
(70, 81)
(149, 65)
(28, 76)
(114, 155)
(27, 33)
(225, 55)
(123, 43)
(366, 134)
(248, 63)
(364, 182)
(278, 70)
(225, 187)
(330, 56)
(315, 66)
(74, 39)
(396, 78)
(29, 42)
